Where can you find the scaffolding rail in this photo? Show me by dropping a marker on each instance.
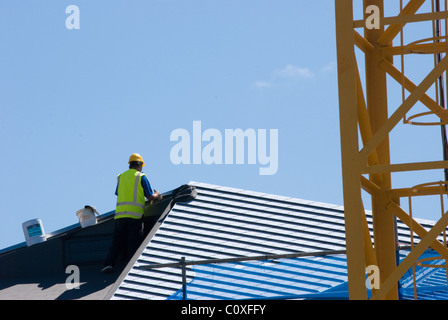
(183, 263)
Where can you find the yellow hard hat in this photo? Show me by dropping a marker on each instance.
(136, 157)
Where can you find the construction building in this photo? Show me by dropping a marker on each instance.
(211, 242)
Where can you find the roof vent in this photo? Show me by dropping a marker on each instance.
(185, 193)
(34, 232)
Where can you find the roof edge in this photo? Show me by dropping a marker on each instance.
(146, 241)
(57, 233)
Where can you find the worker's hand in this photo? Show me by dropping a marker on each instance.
(155, 196)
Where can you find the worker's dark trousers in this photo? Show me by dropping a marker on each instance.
(126, 239)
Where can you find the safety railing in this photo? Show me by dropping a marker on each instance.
(266, 259)
(183, 263)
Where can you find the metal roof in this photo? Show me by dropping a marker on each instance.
(226, 223)
(219, 223)
(430, 282)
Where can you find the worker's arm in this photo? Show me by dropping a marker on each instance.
(149, 193)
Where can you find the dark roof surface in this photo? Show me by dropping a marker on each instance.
(39, 271)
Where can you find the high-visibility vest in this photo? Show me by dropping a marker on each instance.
(131, 197)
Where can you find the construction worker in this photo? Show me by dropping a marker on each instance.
(132, 189)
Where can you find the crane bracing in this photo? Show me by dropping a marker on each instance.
(367, 118)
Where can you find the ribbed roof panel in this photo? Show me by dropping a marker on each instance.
(223, 223)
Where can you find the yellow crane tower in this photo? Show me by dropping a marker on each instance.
(367, 117)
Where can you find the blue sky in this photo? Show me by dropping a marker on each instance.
(75, 104)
